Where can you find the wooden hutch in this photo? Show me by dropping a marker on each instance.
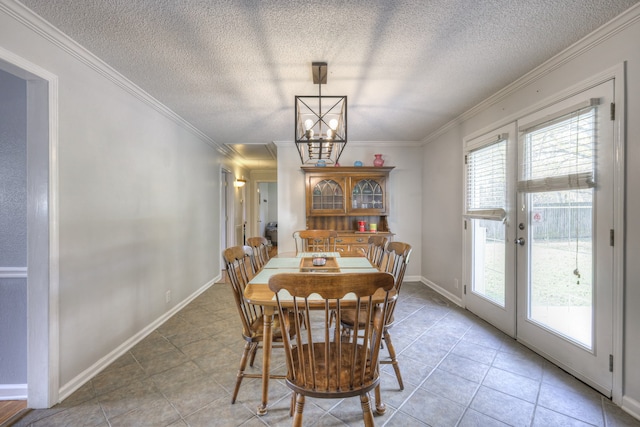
(338, 198)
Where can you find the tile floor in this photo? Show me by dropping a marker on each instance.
(457, 370)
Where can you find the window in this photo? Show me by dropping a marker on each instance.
(485, 208)
(486, 188)
(559, 153)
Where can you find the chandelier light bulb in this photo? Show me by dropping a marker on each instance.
(308, 124)
(333, 124)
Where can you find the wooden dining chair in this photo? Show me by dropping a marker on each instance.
(239, 265)
(318, 364)
(315, 240)
(375, 249)
(394, 261)
(260, 246)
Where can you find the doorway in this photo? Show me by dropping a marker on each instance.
(13, 244)
(267, 210)
(41, 272)
(539, 216)
(226, 181)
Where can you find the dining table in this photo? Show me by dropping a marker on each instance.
(257, 292)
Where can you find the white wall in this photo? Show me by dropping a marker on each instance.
(442, 180)
(405, 193)
(442, 208)
(138, 203)
(291, 209)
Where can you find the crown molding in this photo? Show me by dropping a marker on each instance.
(598, 36)
(385, 143)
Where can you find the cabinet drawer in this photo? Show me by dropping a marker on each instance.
(351, 242)
(352, 239)
(351, 248)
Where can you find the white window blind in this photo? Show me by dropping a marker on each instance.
(486, 187)
(559, 153)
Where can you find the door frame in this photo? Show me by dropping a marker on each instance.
(226, 208)
(617, 73)
(43, 271)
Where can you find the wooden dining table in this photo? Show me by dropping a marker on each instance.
(257, 292)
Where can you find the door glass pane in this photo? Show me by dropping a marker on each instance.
(561, 263)
(489, 260)
(487, 177)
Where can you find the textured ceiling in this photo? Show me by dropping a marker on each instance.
(232, 68)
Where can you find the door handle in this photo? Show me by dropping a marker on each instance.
(519, 241)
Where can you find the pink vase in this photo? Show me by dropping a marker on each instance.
(378, 161)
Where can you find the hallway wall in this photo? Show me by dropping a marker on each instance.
(138, 202)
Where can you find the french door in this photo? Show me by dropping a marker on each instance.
(555, 288)
(565, 226)
(489, 252)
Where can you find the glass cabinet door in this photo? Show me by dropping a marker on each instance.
(368, 194)
(327, 196)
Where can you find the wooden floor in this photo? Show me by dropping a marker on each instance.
(273, 251)
(10, 408)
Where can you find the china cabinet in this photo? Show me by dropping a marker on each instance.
(346, 199)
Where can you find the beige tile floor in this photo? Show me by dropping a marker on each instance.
(457, 369)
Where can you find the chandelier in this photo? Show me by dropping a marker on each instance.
(320, 123)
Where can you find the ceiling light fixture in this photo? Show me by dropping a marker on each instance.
(320, 135)
(240, 182)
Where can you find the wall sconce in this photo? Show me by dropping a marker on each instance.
(240, 182)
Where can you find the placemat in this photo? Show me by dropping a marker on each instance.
(283, 263)
(262, 278)
(353, 262)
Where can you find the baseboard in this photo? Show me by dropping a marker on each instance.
(448, 295)
(631, 406)
(67, 389)
(13, 391)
